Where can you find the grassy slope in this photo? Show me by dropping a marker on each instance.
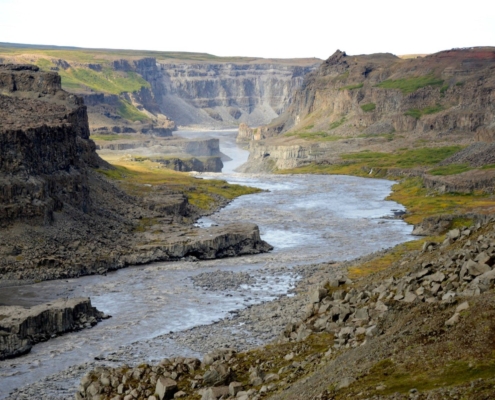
(138, 177)
(410, 192)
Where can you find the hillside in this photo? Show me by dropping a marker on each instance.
(383, 103)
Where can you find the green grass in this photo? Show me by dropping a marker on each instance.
(403, 158)
(318, 136)
(202, 193)
(106, 81)
(410, 85)
(388, 136)
(452, 169)
(128, 111)
(418, 113)
(443, 89)
(343, 76)
(397, 379)
(352, 87)
(360, 164)
(336, 124)
(368, 107)
(421, 202)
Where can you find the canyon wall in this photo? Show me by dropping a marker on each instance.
(217, 94)
(226, 94)
(44, 146)
(378, 100)
(59, 217)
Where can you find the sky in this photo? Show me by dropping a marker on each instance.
(254, 28)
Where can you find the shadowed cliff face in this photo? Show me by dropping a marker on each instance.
(44, 146)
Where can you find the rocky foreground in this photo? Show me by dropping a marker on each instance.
(421, 328)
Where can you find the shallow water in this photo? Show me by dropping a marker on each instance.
(307, 219)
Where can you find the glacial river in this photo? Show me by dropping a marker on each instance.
(307, 219)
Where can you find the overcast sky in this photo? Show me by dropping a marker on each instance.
(264, 28)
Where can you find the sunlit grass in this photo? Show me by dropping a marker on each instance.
(409, 85)
(136, 178)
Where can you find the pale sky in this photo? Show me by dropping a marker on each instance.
(262, 28)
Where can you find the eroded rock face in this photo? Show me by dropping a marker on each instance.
(21, 327)
(44, 146)
(209, 164)
(224, 93)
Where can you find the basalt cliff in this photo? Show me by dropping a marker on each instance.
(60, 217)
(210, 94)
(380, 102)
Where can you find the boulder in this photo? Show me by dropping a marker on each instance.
(165, 388)
(318, 294)
(234, 388)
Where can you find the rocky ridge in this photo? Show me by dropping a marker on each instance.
(381, 103)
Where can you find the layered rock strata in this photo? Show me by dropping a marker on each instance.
(21, 328)
(381, 102)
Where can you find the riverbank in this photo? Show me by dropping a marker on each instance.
(162, 295)
(357, 338)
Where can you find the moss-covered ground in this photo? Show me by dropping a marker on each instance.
(139, 177)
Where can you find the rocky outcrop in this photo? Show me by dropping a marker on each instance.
(209, 164)
(203, 244)
(44, 146)
(194, 147)
(466, 182)
(21, 328)
(461, 87)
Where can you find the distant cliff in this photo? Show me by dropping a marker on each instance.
(218, 94)
(228, 94)
(125, 90)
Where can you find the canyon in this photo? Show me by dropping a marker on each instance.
(57, 206)
(352, 328)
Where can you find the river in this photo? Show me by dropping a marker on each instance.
(308, 219)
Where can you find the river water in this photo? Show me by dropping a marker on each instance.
(307, 219)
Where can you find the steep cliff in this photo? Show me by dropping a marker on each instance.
(382, 103)
(44, 146)
(126, 90)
